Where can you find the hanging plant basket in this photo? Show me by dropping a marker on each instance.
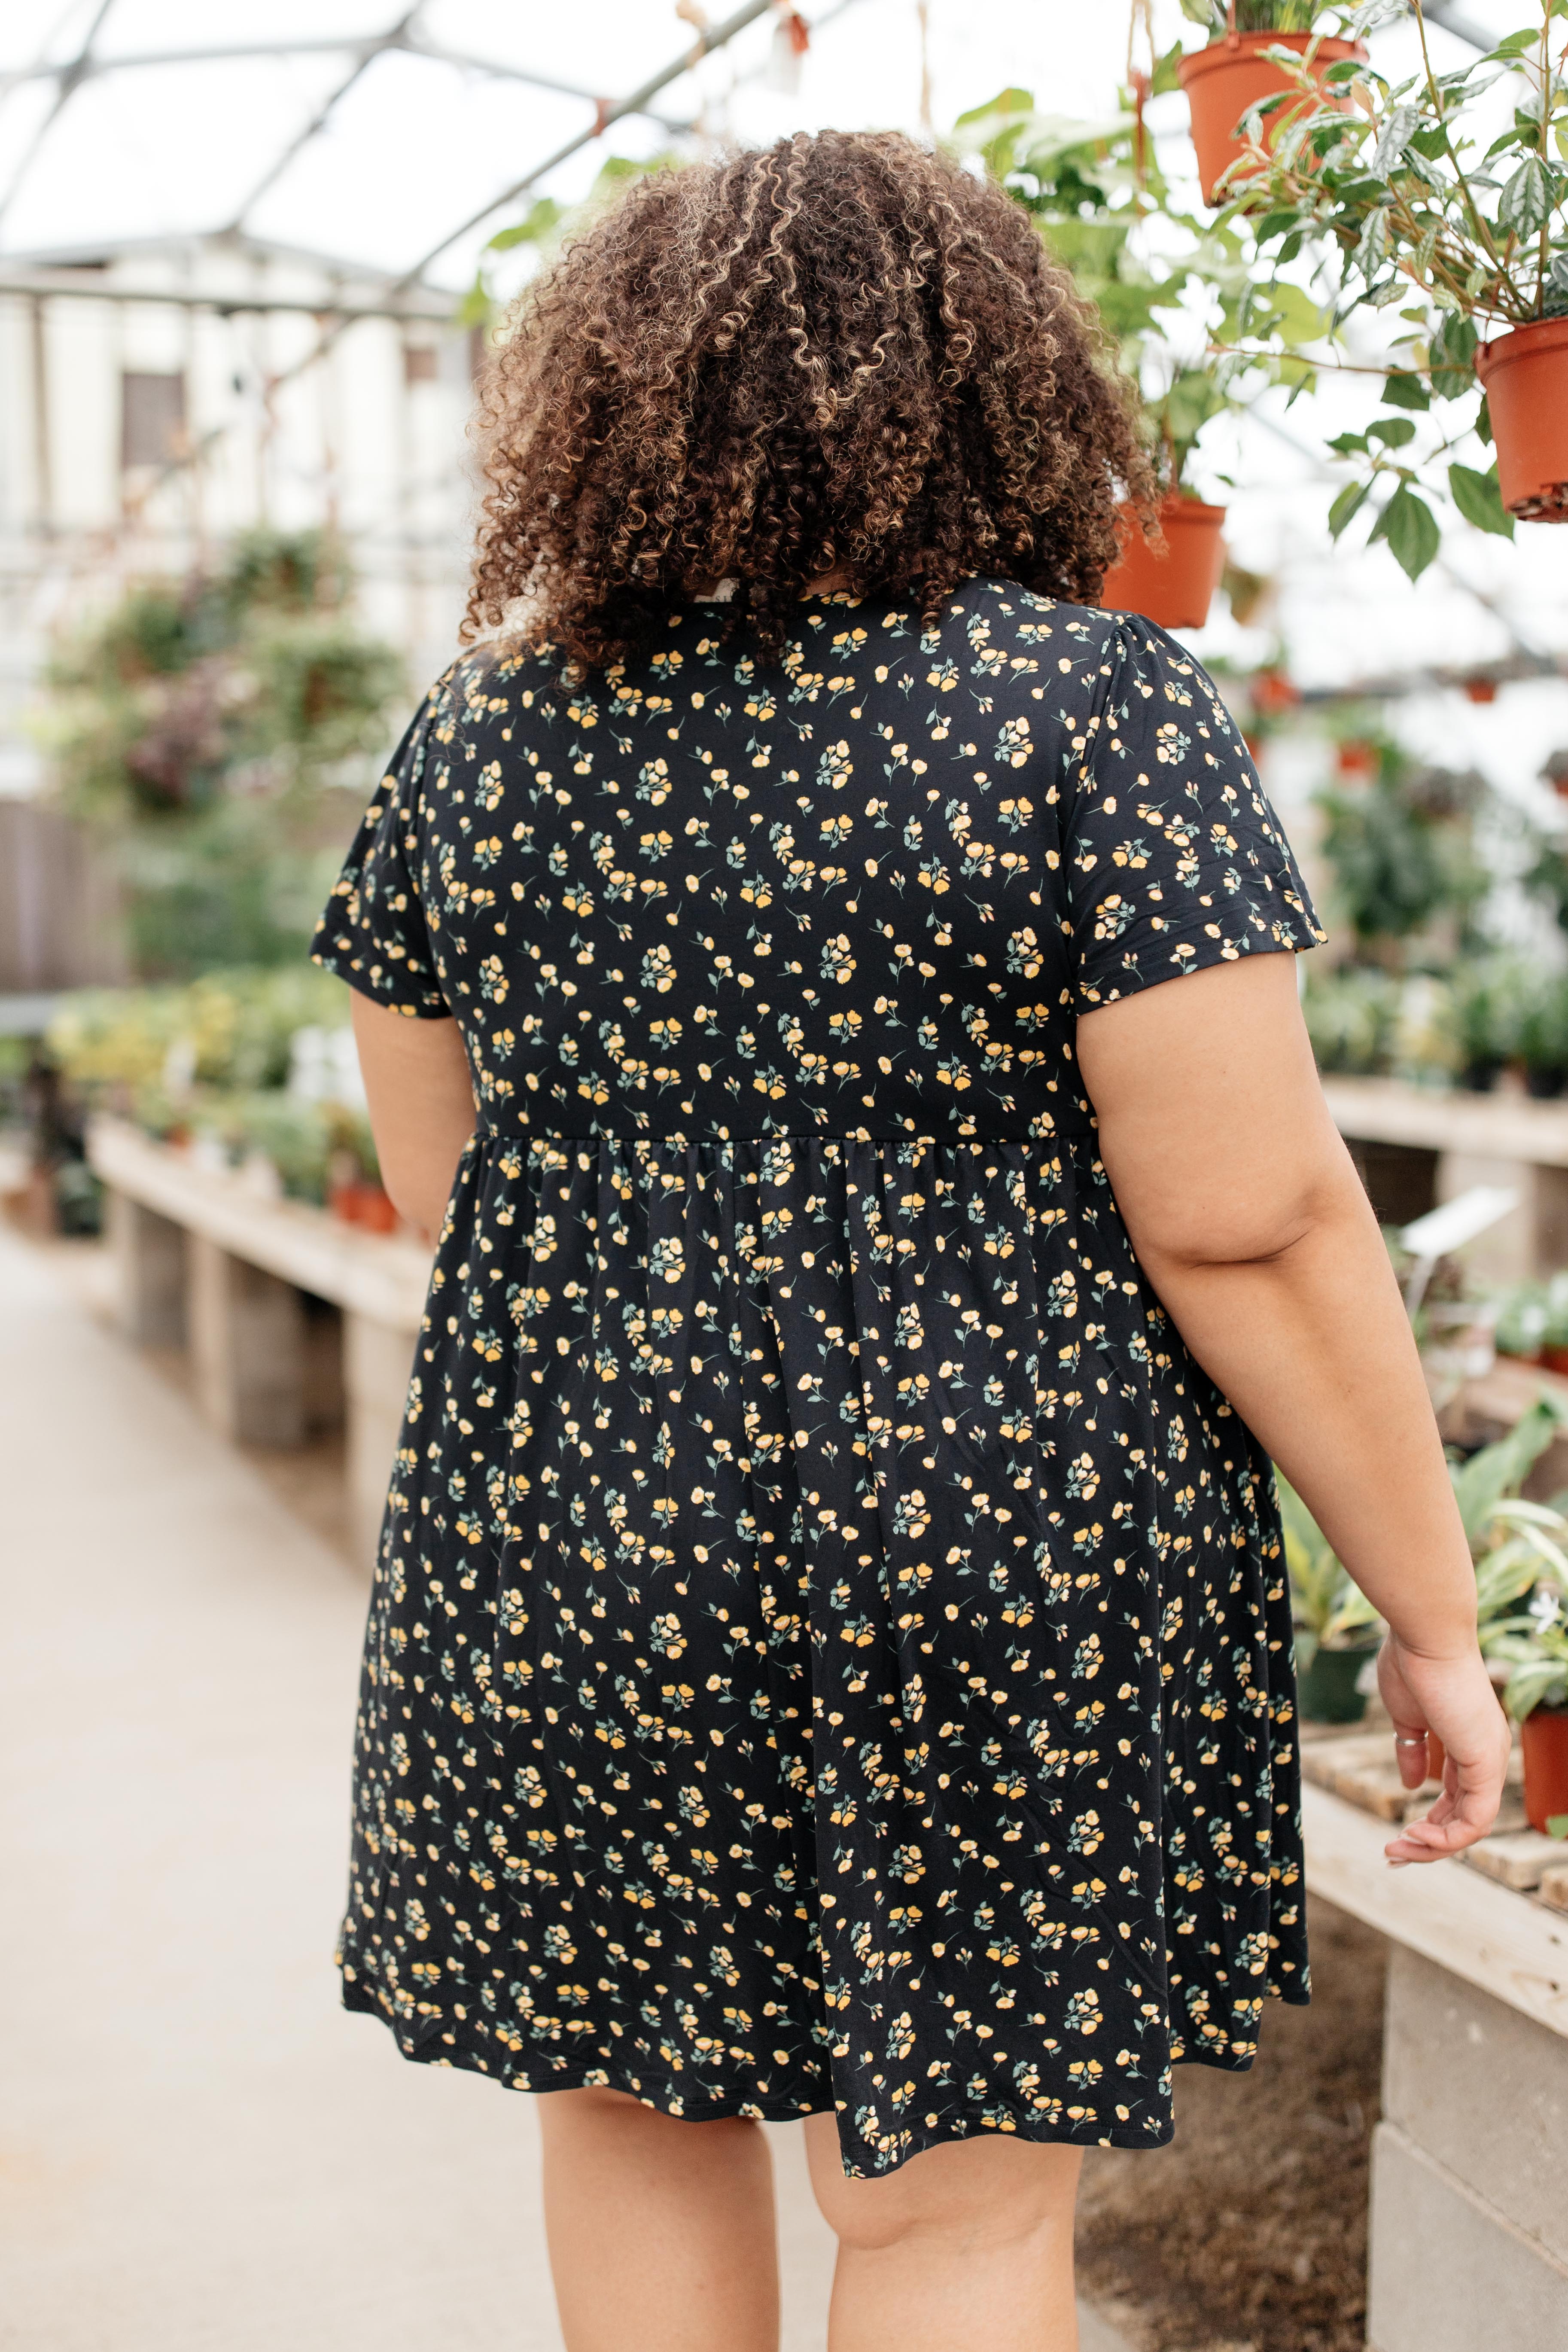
(1233, 75)
(1525, 378)
(1174, 584)
(1543, 1736)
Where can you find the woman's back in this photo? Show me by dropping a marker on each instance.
(865, 892)
(792, 1415)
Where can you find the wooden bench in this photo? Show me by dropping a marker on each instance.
(206, 1261)
(1468, 2242)
(1420, 1145)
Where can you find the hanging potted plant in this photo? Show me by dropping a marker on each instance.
(1469, 234)
(1242, 68)
(1170, 290)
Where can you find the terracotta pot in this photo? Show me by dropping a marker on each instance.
(1327, 1689)
(1231, 76)
(360, 1202)
(1173, 585)
(1356, 760)
(377, 1213)
(1273, 692)
(1543, 1735)
(1525, 377)
(1480, 689)
(1554, 1358)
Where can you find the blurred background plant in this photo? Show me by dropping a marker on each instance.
(199, 726)
(1170, 286)
(250, 1067)
(1407, 198)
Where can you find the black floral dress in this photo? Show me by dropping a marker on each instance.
(830, 1647)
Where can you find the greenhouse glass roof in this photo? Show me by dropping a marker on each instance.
(393, 141)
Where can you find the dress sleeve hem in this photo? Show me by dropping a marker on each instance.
(345, 966)
(1188, 948)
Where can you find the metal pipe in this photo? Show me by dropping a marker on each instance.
(62, 286)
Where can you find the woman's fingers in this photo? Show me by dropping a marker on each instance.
(1456, 1820)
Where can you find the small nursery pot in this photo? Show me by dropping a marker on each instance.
(1233, 75)
(361, 1202)
(1327, 1689)
(1480, 1076)
(1175, 585)
(1525, 377)
(1543, 1735)
(1545, 1085)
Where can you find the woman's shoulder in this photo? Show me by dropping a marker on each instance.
(1002, 611)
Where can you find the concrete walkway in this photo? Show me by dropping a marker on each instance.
(199, 2152)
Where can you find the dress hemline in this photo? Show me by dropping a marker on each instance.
(461, 2057)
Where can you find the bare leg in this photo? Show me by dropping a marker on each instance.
(662, 2233)
(970, 2243)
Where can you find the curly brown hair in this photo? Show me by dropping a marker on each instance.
(842, 356)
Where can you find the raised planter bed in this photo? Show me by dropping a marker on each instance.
(206, 1262)
(1469, 2230)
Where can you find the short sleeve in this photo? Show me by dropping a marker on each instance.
(373, 931)
(1174, 857)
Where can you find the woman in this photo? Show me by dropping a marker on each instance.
(831, 1653)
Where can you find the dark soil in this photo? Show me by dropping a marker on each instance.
(1248, 2233)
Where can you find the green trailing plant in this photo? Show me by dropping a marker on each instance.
(1168, 286)
(193, 723)
(1467, 234)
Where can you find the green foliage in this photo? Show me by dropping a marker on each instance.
(1173, 292)
(1532, 1316)
(152, 706)
(546, 225)
(1521, 1551)
(231, 1028)
(1325, 1601)
(1259, 15)
(1543, 1026)
(1401, 850)
(193, 723)
(211, 1061)
(1351, 1016)
(1410, 208)
(1488, 1000)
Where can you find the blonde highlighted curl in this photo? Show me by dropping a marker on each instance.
(840, 355)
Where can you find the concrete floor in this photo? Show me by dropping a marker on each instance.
(199, 2152)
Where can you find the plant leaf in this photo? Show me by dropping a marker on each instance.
(1348, 504)
(1394, 432)
(1557, 1826)
(1412, 530)
(1478, 500)
(1525, 203)
(1404, 391)
(1394, 137)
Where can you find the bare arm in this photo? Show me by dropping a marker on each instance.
(421, 1105)
(1250, 1222)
